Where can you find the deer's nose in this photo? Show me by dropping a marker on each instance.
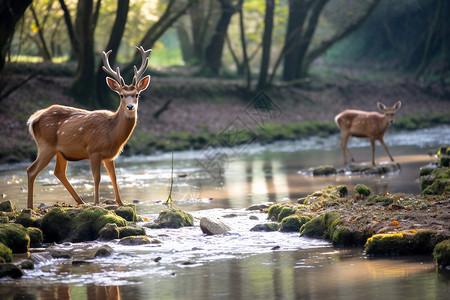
(130, 106)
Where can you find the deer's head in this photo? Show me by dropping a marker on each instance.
(129, 94)
(389, 111)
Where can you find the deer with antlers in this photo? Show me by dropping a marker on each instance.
(365, 124)
(73, 134)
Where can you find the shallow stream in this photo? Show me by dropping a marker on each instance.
(221, 183)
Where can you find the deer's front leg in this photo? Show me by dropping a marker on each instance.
(96, 162)
(110, 168)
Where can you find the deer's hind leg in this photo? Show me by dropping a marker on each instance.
(42, 160)
(60, 173)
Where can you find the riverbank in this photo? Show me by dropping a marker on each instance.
(189, 113)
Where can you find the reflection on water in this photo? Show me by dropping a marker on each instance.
(242, 264)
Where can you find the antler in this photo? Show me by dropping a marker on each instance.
(107, 68)
(138, 73)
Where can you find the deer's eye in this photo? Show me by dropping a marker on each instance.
(137, 96)
(121, 95)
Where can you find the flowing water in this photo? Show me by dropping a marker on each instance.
(221, 183)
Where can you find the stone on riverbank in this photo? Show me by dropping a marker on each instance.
(15, 237)
(321, 227)
(441, 254)
(28, 218)
(293, 223)
(10, 270)
(128, 212)
(36, 237)
(5, 254)
(7, 206)
(403, 243)
(173, 218)
(213, 227)
(56, 224)
(138, 240)
(130, 231)
(109, 232)
(266, 227)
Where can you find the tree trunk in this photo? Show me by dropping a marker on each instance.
(213, 53)
(106, 98)
(187, 49)
(11, 11)
(298, 10)
(75, 47)
(200, 16)
(266, 45)
(83, 88)
(45, 53)
(246, 63)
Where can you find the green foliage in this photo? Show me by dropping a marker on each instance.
(362, 190)
(5, 254)
(441, 254)
(15, 237)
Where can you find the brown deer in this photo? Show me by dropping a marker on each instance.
(365, 124)
(74, 134)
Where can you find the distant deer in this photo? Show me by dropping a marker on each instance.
(74, 134)
(365, 124)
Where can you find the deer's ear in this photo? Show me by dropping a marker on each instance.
(143, 83)
(381, 106)
(113, 85)
(397, 105)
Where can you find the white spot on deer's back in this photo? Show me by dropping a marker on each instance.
(81, 128)
(62, 133)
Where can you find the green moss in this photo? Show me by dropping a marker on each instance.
(293, 223)
(130, 231)
(175, 218)
(56, 225)
(36, 237)
(5, 253)
(266, 227)
(381, 199)
(285, 212)
(4, 219)
(127, 212)
(402, 243)
(324, 171)
(273, 212)
(425, 171)
(441, 254)
(7, 206)
(109, 232)
(321, 226)
(362, 190)
(87, 224)
(346, 235)
(15, 237)
(28, 218)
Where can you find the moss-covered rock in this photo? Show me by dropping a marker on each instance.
(437, 182)
(28, 218)
(109, 232)
(36, 237)
(5, 253)
(10, 270)
(441, 254)
(362, 190)
(402, 243)
(138, 240)
(7, 206)
(4, 219)
(15, 237)
(293, 223)
(273, 212)
(321, 226)
(348, 236)
(131, 231)
(57, 224)
(286, 211)
(324, 170)
(174, 218)
(87, 224)
(266, 227)
(127, 212)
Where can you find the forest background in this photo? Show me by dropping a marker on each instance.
(211, 59)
